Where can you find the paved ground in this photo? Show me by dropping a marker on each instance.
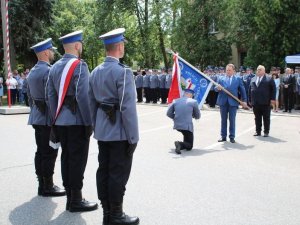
(255, 181)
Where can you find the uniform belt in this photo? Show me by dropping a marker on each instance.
(109, 109)
(103, 105)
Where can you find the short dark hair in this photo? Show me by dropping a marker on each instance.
(111, 47)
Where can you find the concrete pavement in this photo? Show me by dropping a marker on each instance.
(255, 181)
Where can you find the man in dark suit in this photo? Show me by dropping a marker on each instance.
(262, 94)
(288, 88)
(228, 105)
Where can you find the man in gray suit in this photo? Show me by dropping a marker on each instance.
(72, 119)
(114, 115)
(182, 111)
(39, 118)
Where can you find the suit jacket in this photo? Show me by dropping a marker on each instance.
(263, 93)
(182, 111)
(78, 88)
(36, 84)
(234, 88)
(290, 82)
(112, 82)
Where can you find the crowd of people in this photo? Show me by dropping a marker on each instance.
(154, 85)
(17, 86)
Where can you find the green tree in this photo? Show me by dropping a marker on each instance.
(268, 30)
(195, 33)
(28, 20)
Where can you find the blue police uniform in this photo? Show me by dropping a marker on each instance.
(114, 115)
(139, 87)
(154, 85)
(182, 111)
(168, 84)
(162, 87)
(39, 118)
(146, 86)
(73, 124)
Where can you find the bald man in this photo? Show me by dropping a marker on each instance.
(262, 94)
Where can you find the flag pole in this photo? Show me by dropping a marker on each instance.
(207, 77)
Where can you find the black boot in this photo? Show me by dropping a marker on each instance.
(41, 185)
(68, 192)
(106, 212)
(51, 190)
(79, 204)
(118, 217)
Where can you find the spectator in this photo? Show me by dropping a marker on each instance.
(277, 85)
(12, 84)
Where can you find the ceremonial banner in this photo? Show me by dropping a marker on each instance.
(185, 76)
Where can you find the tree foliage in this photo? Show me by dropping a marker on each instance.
(202, 31)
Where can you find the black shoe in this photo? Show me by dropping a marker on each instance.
(285, 111)
(177, 149)
(106, 212)
(222, 139)
(118, 217)
(257, 134)
(266, 134)
(51, 190)
(232, 140)
(41, 185)
(79, 204)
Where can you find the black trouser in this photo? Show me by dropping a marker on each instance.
(139, 92)
(188, 140)
(288, 96)
(262, 112)
(113, 171)
(45, 156)
(212, 98)
(153, 94)
(13, 94)
(147, 94)
(26, 99)
(75, 148)
(167, 92)
(163, 95)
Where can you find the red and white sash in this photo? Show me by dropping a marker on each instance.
(64, 83)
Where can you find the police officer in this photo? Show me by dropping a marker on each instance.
(146, 85)
(182, 111)
(39, 118)
(139, 86)
(114, 114)
(162, 87)
(247, 80)
(154, 85)
(168, 82)
(72, 118)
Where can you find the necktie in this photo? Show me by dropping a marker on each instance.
(228, 81)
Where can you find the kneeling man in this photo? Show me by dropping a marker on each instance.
(182, 111)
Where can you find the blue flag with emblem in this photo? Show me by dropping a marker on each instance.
(192, 78)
